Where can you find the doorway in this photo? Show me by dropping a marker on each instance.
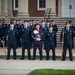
(68, 8)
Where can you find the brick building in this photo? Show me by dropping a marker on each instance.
(36, 8)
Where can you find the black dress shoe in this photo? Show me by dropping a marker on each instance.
(15, 59)
(40, 59)
(7, 58)
(29, 58)
(71, 59)
(47, 59)
(54, 59)
(63, 59)
(22, 59)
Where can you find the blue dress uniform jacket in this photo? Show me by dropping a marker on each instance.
(31, 27)
(12, 36)
(44, 38)
(50, 44)
(44, 31)
(67, 35)
(25, 38)
(50, 38)
(25, 34)
(72, 27)
(55, 29)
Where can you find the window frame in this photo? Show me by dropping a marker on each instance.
(14, 6)
(39, 7)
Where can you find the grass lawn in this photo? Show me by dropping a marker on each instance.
(52, 72)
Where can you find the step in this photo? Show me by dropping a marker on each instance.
(59, 21)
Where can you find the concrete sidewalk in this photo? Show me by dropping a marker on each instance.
(23, 67)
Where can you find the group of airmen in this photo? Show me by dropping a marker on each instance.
(32, 34)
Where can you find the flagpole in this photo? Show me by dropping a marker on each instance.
(62, 44)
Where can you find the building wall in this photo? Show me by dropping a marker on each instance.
(33, 12)
(32, 8)
(9, 7)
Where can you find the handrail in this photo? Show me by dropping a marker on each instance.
(47, 14)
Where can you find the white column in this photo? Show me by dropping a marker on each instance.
(23, 8)
(0, 7)
(10, 7)
(4, 7)
(59, 8)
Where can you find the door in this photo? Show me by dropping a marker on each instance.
(65, 8)
(68, 8)
(73, 8)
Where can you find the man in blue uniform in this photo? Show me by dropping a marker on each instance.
(18, 29)
(44, 29)
(25, 38)
(66, 39)
(11, 21)
(48, 23)
(73, 27)
(31, 25)
(37, 41)
(15, 21)
(54, 29)
(11, 42)
(20, 23)
(4, 29)
(50, 42)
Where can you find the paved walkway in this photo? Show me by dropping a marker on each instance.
(23, 67)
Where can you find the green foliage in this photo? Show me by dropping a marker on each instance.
(52, 72)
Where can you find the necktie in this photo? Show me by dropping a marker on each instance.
(11, 28)
(25, 27)
(68, 29)
(50, 31)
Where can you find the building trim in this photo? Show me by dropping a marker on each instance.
(38, 8)
(14, 6)
(14, 12)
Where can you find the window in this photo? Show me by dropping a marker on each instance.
(15, 4)
(41, 4)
